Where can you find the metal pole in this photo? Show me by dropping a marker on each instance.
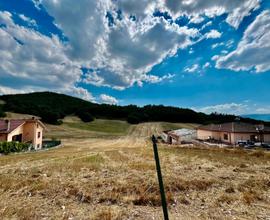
(160, 181)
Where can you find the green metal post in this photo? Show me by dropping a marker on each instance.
(160, 181)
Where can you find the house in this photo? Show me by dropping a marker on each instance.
(233, 132)
(22, 130)
(178, 136)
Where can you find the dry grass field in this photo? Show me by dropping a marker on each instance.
(111, 175)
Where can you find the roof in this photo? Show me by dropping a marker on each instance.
(235, 127)
(182, 132)
(15, 123)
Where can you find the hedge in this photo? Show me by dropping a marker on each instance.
(12, 147)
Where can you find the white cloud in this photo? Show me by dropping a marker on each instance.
(28, 20)
(209, 23)
(7, 90)
(192, 69)
(263, 110)
(82, 93)
(116, 52)
(6, 18)
(236, 10)
(120, 55)
(156, 79)
(213, 34)
(228, 108)
(33, 60)
(197, 19)
(108, 99)
(82, 23)
(217, 45)
(206, 65)
(215, 57)
(253, 51)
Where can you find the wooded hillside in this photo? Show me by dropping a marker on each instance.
(52, 107)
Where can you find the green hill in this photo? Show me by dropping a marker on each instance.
(52, 107)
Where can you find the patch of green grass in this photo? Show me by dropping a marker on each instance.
(93, 159)
(113, 127)
(175, 126)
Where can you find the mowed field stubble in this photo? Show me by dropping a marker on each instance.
(107, 171)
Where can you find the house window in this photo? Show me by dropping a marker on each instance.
(225, 136)
(37, 126)
(38, 145)
(39, 134)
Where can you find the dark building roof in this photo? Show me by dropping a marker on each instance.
(237, 127)
(7, 126)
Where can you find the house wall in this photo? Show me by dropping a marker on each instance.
(3, 137)
(17, 131)
(31, 130)
(267, 138)
(241, 136)
(39, 139)
(204, 135)
(222, 134)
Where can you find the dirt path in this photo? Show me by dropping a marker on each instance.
(138, 136)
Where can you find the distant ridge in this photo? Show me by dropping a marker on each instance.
(52, 107)
(262, 117)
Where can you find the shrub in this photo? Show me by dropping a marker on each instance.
(50, 117)
(85, 116)
(134, 118)
(2, 113)
(11, 147)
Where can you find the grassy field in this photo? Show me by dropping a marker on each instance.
(174, 126)
(95, 175)
(114, 127)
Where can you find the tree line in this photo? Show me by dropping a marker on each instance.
(52, 107)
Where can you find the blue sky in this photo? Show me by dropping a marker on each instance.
(207, 55)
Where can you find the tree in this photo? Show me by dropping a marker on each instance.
(134, 118)
(85, 116)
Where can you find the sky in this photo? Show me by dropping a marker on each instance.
(211, 56)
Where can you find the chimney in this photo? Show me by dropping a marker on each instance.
(8, 124)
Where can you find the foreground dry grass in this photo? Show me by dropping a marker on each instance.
(115, 178)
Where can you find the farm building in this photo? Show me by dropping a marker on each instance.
(22, 130)
(178, 136)
(233, 132)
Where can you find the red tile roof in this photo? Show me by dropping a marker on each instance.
(237, 127)
(13, 125)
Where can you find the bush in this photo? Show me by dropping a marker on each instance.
(85, 116)
(2, 113)
(50, 117)
(11, 147)
(134, 118)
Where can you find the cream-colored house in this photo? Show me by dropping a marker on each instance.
(22, 130)
(233, 132)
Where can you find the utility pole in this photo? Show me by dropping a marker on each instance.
(160, 181)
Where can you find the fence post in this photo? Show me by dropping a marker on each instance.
(160, 181)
